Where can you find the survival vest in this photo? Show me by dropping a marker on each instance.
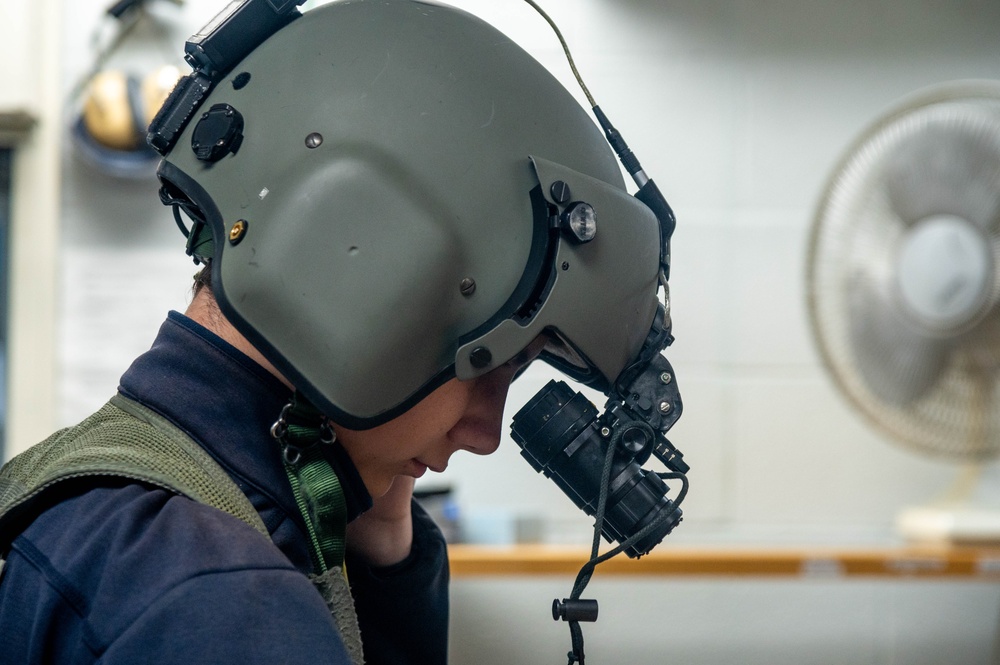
(127, 440)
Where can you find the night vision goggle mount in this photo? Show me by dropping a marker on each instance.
(562, 436)
(212, 53)
(596, 459)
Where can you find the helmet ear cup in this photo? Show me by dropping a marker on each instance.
(109, 132)
(108, 113)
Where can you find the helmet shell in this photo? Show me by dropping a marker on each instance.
(385, 162)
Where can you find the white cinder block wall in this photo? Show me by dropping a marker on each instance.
(739, 109)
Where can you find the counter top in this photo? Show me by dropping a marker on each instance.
(910, 561)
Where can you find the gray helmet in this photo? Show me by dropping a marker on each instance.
(392, 193)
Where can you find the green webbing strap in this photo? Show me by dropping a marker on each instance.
(302, 430)
(123, 439)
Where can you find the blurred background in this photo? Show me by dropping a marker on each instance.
(742, 111)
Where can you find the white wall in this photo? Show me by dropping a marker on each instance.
(30, 124)
(659, 621)
(739, 109)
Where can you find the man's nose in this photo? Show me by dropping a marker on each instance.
(488, 400)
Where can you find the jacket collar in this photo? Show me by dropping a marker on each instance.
(227, 403)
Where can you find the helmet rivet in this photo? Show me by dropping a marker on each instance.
(605, 431)
(467, 286)
(665, 407)
(666, 378)
(237, 232)
(565, 265)
(559, 191)
(314, 140)
(480, 358)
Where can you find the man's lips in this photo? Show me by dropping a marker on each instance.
(415, 468)
(435, 469)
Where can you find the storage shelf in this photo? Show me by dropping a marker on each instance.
(736, 561)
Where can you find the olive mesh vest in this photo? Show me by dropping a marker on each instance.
(125, 439)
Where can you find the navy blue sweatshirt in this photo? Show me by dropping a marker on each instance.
(122, 572)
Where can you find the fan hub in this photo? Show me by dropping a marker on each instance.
(944, 273)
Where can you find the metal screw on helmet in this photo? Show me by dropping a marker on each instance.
(579, 220)
(560, 192)
(314, 140)
(238, 231)
(467, 286)
(665, 407)
(666, 378)
(480, 358)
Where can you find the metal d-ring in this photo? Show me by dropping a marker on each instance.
(291, 455)
(326, 433)
(280, 427)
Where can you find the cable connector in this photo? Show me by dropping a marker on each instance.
(574, 610)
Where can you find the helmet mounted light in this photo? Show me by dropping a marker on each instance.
(580, 221)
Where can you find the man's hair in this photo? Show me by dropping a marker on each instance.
(202, 279)
(203, 286)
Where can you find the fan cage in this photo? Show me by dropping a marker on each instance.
(953, 409)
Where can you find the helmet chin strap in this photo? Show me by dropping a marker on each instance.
(301, 431)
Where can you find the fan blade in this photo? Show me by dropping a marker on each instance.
(945, 159)
(897, 362)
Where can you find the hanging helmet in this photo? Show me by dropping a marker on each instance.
(392, 193)
(109, 132)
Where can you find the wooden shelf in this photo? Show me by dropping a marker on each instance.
(736, 561)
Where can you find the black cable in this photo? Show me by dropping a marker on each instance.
(583, 577)
(649, 194)
(179, 221)
(565, 47)
(587, 570)
(638, 535)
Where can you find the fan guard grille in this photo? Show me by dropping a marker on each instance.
(933, 385)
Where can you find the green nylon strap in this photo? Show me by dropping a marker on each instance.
(302, 431)
(321, 502)
(123, 439)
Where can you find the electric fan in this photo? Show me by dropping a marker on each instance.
(903, 289)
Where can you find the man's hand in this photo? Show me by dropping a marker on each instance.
(383, 536)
